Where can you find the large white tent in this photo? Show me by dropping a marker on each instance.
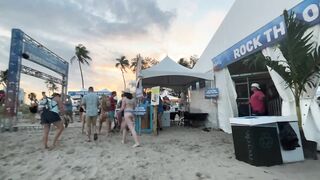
(170, 74)
(244, 18)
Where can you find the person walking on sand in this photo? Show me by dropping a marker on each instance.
(91, 104)
(51, 116)
(104, 109)
(68, 108)
(111, 110)
(33, 106)
(128, 105)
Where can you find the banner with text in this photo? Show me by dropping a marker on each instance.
(271, 33)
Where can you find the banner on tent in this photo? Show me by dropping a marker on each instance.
(211, 93)
(99, 93)
(155, 95)
(271, 33)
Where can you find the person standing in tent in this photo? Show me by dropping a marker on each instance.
(91, 103)
(257, 101)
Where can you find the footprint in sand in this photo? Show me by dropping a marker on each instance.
(71, 151)
(77, 168)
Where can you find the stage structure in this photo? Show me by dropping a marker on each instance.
(25, 47)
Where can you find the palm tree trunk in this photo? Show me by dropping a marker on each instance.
(81, 75)
(298, 110)
(124, 81)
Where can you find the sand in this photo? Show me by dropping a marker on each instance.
(177, 153)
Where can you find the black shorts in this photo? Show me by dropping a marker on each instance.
(48, 117)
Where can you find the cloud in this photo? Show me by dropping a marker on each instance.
(60, 25)
(85, 18)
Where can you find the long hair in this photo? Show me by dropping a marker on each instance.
(128, 95)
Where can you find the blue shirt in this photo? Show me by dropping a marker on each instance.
(91, 102)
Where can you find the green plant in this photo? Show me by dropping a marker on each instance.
(301, 66)
(82, 56)
(123, 65)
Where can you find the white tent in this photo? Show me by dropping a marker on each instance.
(168, 73)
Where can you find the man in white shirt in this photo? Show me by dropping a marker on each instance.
(91, 103)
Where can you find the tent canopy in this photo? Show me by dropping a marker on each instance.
(168, 73)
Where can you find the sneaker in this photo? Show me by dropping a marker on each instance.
(136, 145)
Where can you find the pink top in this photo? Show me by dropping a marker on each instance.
(257, 102)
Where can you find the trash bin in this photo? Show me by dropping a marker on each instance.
(256, 140)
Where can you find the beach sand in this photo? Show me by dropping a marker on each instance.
(177, 153)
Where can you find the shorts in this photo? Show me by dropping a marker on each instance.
(48, 117)
(110, 115)
(91, 121)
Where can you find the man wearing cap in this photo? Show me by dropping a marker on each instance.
(257, 101)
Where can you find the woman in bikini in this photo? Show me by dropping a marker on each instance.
(128, 105)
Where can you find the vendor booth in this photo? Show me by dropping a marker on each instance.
(230, 45)
(170, 74)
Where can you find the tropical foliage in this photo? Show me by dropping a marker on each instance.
(146, 62)
(189, 63)
(301, 66)
(123, 65)
(4, 78)
(82, 57)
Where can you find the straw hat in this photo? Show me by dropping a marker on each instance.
(256, 85)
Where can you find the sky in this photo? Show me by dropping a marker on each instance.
(110, 29)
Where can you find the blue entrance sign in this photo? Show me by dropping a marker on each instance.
(41, 58)
(307, 11)
(211, 93)
(23, 46)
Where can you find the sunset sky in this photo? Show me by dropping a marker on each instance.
(109, 29)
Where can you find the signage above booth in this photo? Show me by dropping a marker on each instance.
(271, 33)
(211, 93)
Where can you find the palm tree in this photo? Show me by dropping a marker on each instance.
(184, 62)
(134, 63)
(302, 59)
(150, 62)
(4, 78)
(123, 65)
(82, 56)
(51, 86)
(193, 60)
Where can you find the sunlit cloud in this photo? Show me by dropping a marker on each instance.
(110, 29)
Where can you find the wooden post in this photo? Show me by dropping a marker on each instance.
(155, 120)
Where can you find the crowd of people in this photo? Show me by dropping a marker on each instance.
(57, 111)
